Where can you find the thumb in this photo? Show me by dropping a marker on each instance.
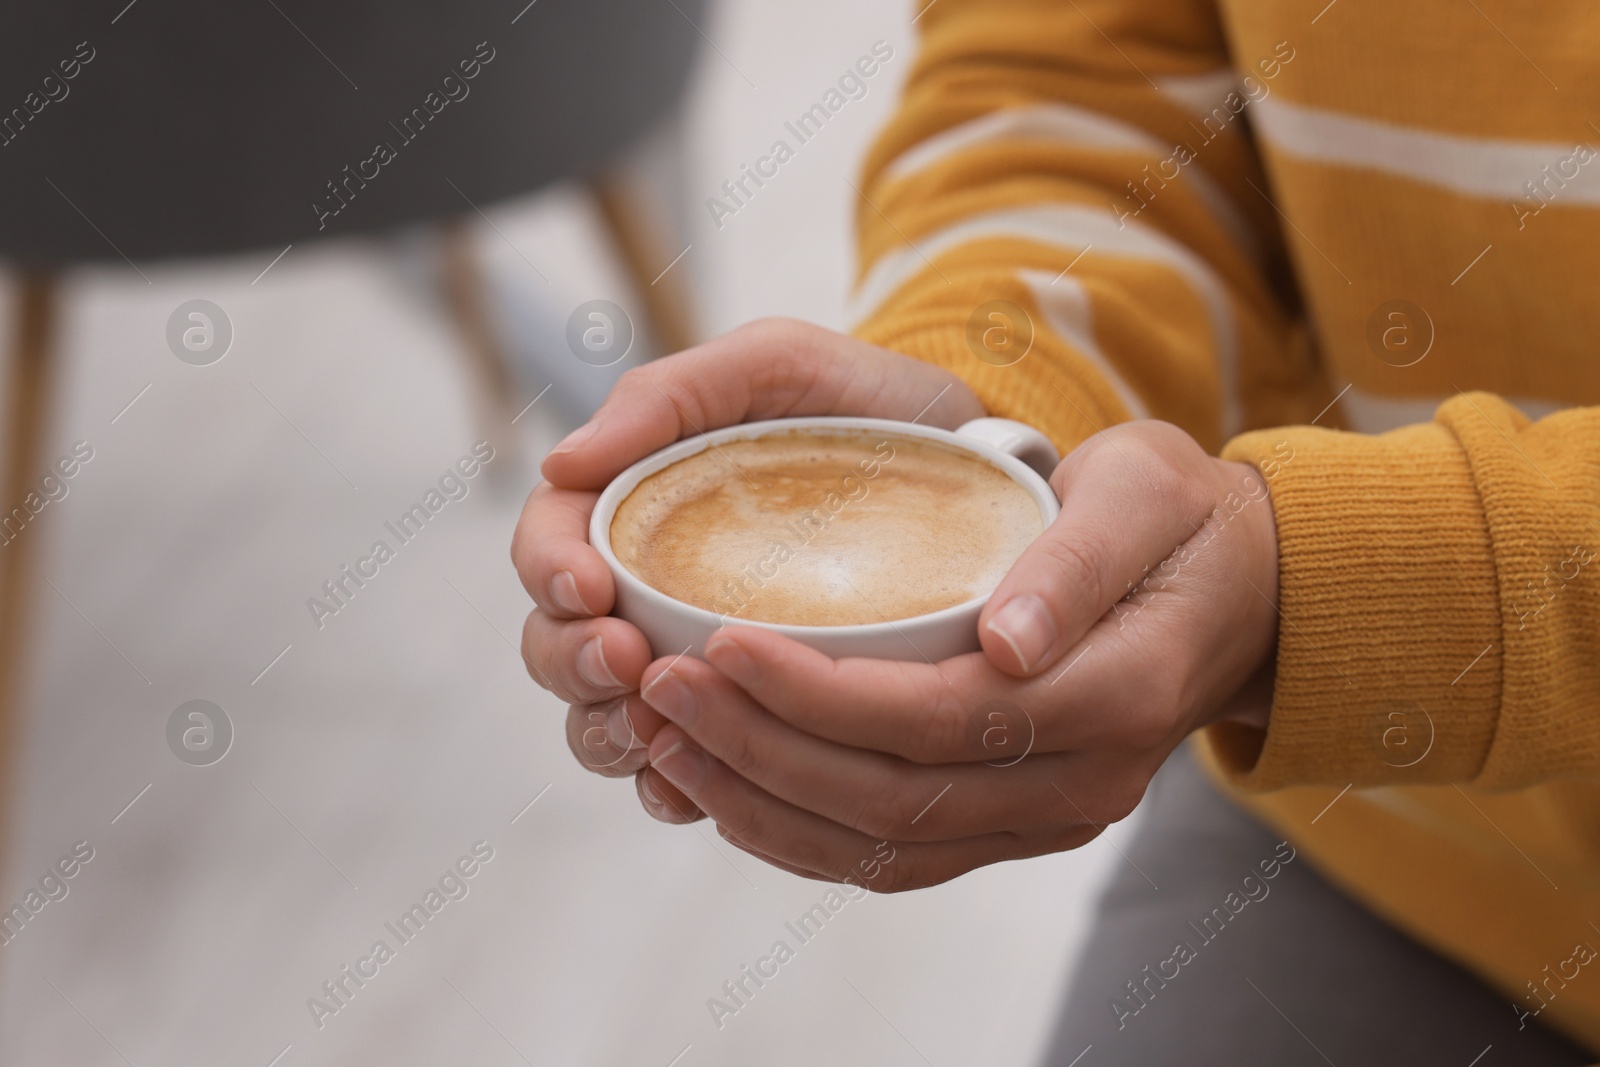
(1124, 508)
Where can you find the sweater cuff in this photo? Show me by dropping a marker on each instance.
(1052, 388)
(1389, 650)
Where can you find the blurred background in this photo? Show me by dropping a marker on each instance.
(261, 384)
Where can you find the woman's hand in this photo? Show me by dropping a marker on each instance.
(768, 369)
(1138, 617)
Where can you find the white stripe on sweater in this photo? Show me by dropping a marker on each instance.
(1064, 124)
(1475, 166)
(1065, 305)
(1073, 228)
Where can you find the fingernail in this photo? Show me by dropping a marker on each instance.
(657, 805)
(649, 792)
(576, 439)
(730, 659)
(619, 729)
(684, 766)
(1026, 626)
(671, 697)
(564, 591)
(592, 666)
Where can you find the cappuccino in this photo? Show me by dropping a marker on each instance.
(829, 528)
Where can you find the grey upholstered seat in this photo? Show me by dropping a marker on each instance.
(192, 128)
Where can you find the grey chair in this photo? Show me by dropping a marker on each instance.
(143, 130)
(197, 127)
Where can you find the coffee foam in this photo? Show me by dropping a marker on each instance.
(825, 528)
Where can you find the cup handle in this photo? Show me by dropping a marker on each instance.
(1015, 439)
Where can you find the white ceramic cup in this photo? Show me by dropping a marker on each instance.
(673, 627)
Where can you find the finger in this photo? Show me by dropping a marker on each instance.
(879, 795)
(1125, 507)
(928, 713)
(558, 567)
(770, 860)
(959, 710)
(770, 368)
(612, 738)
(663, 800)
(586, 660)
(766, 824)
(809, 842)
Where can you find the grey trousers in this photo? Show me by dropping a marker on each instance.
(1212, 946)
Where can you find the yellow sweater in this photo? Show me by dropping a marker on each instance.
(1248, 216)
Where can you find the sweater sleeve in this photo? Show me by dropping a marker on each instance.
(1440, 590)
(1084, 172)
(1068, 211)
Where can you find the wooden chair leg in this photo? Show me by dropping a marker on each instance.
(32, 342)
(464, 292)
(645, 255)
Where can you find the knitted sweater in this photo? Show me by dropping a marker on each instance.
(1353, 244)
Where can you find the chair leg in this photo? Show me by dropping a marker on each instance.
(463, 282)
(645, 256)
(32, 342)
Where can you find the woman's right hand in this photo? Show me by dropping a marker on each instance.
(772, 368)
